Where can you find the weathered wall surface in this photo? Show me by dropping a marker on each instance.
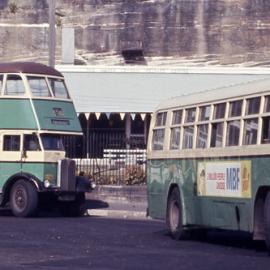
(197, 32)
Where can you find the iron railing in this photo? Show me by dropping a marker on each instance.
(109, 158)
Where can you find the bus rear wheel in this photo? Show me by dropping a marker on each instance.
(174, 215)
(23, 199)
(267, 221)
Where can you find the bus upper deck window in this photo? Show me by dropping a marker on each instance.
(58, 87)
(39, 87)
(14, 86)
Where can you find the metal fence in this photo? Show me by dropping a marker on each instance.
(109, 158)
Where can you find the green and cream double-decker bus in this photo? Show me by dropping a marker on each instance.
(35, 111)
(209, 161)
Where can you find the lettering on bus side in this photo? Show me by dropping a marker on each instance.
(232, 178)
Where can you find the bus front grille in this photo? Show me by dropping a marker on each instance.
(66, 175)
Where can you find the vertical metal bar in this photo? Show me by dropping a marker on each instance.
(87, 137)
(52, 33)
(128, 129)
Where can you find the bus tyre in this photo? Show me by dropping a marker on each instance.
(174, 215)
(23, 199)
(267, 221)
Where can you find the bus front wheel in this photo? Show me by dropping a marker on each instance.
(174, 215)
(23, 199)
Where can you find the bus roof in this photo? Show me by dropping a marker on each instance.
(239, 90)
(28, 67)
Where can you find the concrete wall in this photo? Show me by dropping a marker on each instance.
(193, 32)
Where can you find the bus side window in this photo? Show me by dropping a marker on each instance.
(11, 143)
(31, 143)
(14, 86)
(266, 130)
(158, 139)
(216, 135)
(1, 83)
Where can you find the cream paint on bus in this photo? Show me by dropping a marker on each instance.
(30, 156)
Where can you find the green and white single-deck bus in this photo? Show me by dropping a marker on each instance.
(35, 110)
(209, 161)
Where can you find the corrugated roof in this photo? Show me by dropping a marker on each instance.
(140, 89)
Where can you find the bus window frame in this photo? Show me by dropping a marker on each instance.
(22, 76)
(47, 83)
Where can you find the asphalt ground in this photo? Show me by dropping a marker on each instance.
(51, 241)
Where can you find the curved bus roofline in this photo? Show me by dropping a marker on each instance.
(29, 68)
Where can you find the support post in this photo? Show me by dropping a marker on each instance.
(128, 130)
(52, 33)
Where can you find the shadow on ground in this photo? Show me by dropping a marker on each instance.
(54, 211)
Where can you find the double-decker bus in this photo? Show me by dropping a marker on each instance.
(35, 112)
(209, 161)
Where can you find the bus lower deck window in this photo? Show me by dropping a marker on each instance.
(11, 143)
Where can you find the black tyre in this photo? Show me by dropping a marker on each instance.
(74, 208)
(174, 215)
(267, 221)
(23, 199)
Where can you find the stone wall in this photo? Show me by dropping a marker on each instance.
(189, 32)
